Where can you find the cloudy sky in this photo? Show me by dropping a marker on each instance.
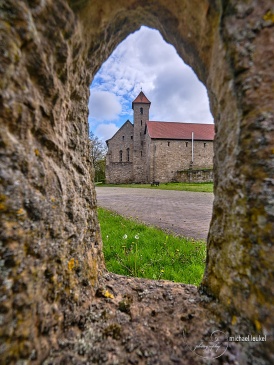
(144, 60)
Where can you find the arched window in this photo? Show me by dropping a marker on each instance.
(127, 154)
(141, 110)
(121, 155)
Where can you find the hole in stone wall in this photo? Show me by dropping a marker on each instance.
(176, 95)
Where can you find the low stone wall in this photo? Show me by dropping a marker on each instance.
(194, 176)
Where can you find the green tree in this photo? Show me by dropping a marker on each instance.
(98, 152)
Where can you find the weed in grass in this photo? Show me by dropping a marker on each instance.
(134, 249)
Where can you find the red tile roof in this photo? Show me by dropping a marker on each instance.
(172, 130)
(141, 99)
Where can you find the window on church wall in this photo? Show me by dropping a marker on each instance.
(123, 138)
(120, 155)
(141, 122)
(168, 143)
(127, 154)
(205, 144)
(186, 144)
(141, 153)
(131, 137)
(141, 110)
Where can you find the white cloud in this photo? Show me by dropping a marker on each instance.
(105, 131)
(189, 102)
(104, 105)
(145, 60)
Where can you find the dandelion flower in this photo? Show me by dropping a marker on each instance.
(125, 236)
(136, 236)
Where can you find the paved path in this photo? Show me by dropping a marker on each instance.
(185, 213)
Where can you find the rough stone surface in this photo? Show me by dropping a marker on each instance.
(50, 244)
(240, 246)
(51, 260)
(137, 321)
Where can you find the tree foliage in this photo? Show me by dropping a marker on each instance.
(98, 152)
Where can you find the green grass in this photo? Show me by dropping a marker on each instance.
(206, 187)
(134, 249)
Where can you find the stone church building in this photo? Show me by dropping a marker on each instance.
(148, 151)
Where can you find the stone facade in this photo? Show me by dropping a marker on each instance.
(165, 158)
(119, 159)
(135, 156)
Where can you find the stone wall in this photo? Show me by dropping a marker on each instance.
(121, 141)
(50, 239)
(169, 156)
(194, 176)
(239, 255)
(119, 173)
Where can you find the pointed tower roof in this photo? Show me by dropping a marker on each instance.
(141, 99)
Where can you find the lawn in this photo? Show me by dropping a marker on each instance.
(134, 249)
(206, 187)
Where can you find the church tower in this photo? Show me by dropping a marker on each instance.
(140, 108)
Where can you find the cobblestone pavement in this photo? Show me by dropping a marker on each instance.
(184, 213)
